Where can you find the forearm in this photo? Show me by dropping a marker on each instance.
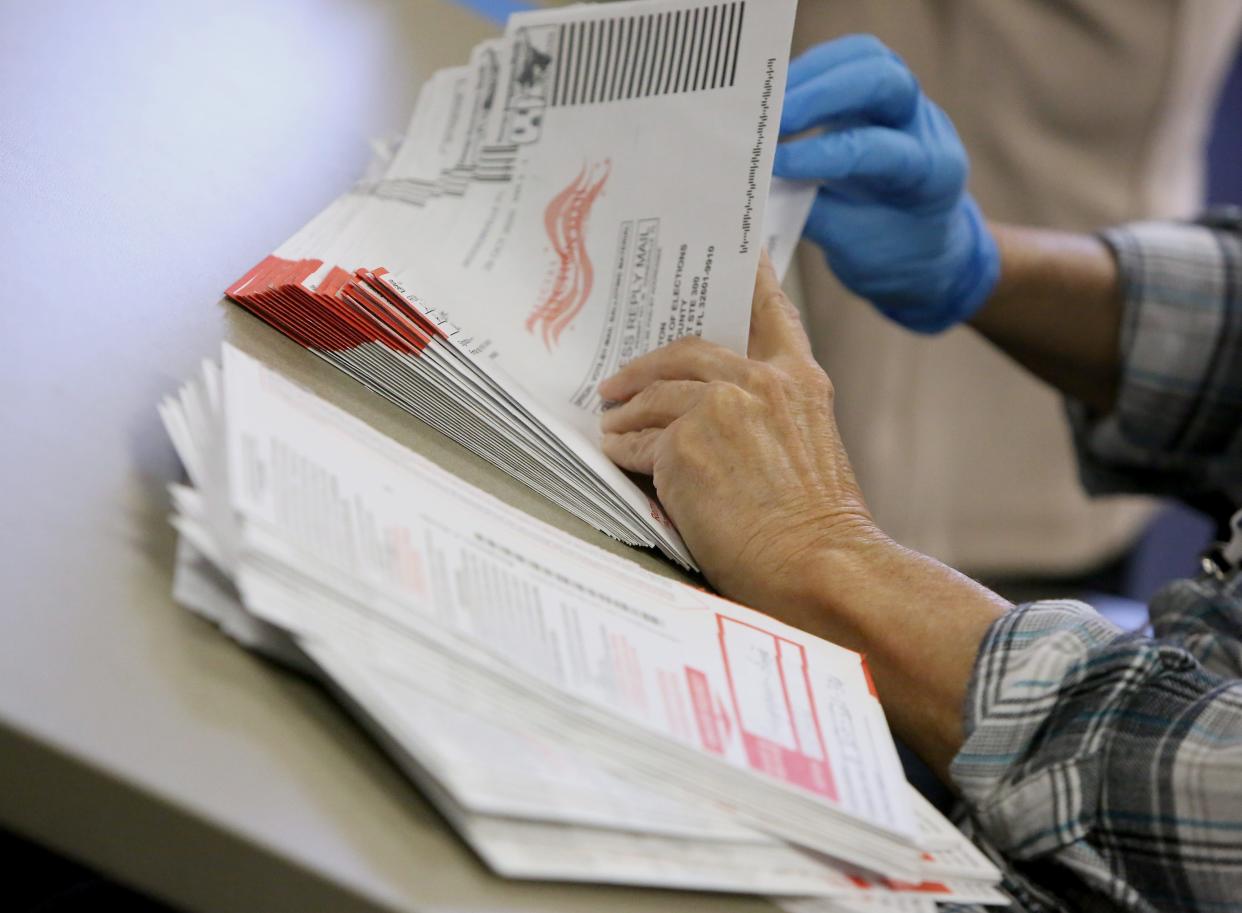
(1056, 310)
(920, 625)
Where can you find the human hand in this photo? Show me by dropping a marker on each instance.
(747, 461)
(892, 214)
(744, 452)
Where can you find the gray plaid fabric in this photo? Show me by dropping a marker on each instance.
(1175, 430)
(1104, 770)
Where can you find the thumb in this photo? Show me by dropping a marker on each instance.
(775, 327)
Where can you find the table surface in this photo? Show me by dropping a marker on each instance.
(150, 153)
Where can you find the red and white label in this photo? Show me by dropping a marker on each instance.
(774, 706)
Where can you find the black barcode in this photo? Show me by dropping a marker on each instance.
(605, 60)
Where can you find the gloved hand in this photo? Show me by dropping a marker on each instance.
(892, 214)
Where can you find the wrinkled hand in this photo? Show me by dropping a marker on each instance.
(744, 451)
(892, 214)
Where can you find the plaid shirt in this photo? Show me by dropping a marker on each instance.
(1103, 770)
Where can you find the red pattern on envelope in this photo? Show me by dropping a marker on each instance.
(565, 221)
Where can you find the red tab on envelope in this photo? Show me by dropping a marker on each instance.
(866, 669)
(344, 311)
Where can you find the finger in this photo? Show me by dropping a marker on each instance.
(876, 159)
(833, 53)
(689, 358)
(846, 229)
(876, 90)
(828, 213)
(775, 327)
(657, 406)
(634, 451)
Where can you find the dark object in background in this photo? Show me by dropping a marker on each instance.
(43, 882)
(1225, 146)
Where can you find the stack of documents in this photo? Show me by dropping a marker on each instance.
(574, 716)
(590, 186)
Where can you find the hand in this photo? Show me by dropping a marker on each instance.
(744, 453)
(747, 461)
(892, 214)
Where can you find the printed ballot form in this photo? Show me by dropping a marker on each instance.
(588, 187)
(712, 676)
(650, 732)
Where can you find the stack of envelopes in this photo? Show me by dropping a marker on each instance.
(588, 187)
(573, 715)
(591, 185)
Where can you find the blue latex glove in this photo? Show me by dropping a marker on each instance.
(892, 214)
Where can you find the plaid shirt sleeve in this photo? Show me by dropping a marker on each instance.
(1104, 770)
(1177, 427)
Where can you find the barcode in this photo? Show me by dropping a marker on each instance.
(608, 60)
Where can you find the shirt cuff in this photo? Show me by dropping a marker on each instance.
(1026, 800)
(1180, 395)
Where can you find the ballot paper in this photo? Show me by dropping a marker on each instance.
(573, 716)
(586, 188)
